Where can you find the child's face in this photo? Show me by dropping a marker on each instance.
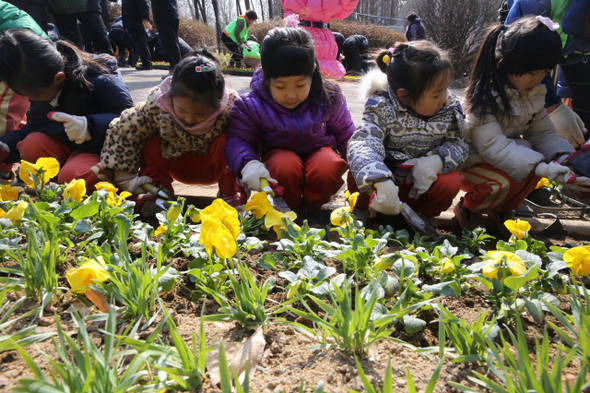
(433, 99)
(45, 94)
(191, 112)
(290, 91)
(526, 82)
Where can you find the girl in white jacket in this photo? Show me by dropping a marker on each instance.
(511, 139)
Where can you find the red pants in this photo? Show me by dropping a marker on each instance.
(434, 201)
(490, 189)
(13, 111)
(314, 178)
(73, 164)
(190, 168)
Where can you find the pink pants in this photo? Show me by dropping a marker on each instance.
(434, 201)
(314, 178)
(190, 168)
(489, 188)
(74, 164)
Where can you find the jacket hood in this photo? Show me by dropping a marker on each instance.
(374, 82)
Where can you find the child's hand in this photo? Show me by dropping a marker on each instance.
(554, 171)
(424, 172)
(76, 127)
(384, 199)
(569, 125)
(131, 182)
(581, 184)
(253, 172)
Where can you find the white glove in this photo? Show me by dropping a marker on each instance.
(581, 184)
(75, 126)
(130, 182)
(385, 199)
(253, 172)
(569, 125)
(243, 45)
(424, 172)
(554, 171)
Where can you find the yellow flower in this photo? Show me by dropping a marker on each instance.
(578, 259)
(496, 269)
(384, 262)
(225, 214)
(274, 220)
(259, 204)
(174, 212)
(8, 193)
(105, 185)
(17, 212)
(161, 230)
(518, 228)
(114, 200)
(293, 288)
(194, 214)
(49, 165)
(215, 234)
(447, 266)
(81, 277)
(351, 198)
(544, 182)
(338, 216)
(75, 189)
(2, 213)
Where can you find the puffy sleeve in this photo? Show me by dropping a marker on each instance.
(340, 124)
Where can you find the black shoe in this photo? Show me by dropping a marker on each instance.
(144, 68)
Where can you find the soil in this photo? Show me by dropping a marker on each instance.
(287, 358)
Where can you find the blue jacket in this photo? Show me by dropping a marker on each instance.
(107, 99)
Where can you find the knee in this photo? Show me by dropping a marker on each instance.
(30, 147)
(449, 183)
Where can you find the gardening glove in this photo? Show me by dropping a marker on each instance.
(131, 182)
(75, 126)
(569, 125)
(580, 184)
(554, 171)
(585, 146)
(253, 172)
(384, 199)
(4, 151)
(424, 172)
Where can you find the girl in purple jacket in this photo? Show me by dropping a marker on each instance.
(293, 126)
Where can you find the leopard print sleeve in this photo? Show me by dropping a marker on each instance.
(127, 135)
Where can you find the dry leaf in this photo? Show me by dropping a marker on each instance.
(237, 355)
(98, 300)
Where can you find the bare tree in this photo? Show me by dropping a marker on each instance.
(200, 11)
(458, 26)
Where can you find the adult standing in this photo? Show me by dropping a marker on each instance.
(235, 36)
(415, 30)
(166, 19)
(89, 12)
(136, 15)
(573, 17)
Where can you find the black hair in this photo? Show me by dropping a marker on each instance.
(524, 46)
(251, 15)
(30, 61)
(414, 67)
(290, 51)
(199, 84)
(412, 16)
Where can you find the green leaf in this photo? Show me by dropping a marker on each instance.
(413, 325)
(515, 283)
(87, 209)
(535, 308)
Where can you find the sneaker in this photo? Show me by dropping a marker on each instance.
(467, 219)
(8, 178)
(499, 218)
(144, 68)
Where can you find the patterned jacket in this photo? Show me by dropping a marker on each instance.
(515, 144)
(391, 132)
(127, 134)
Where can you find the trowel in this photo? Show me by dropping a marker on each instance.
(417, 223)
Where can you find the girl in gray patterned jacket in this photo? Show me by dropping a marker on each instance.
(411, 137)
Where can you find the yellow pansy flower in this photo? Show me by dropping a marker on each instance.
(274, 220)
(338, 216)
(161, 230)
(293, 288)
(49, 165)
(75, 189)
(8, 193)
(259, 205)
(174, 212)
(225, 214)
(578, 259)
(17, 212)
(215, 234)
(518, 228)
(81, 277)
(495, 268)
(114, 200)
(105, 185)
(351, 198)
(194, 214)
(447, 266)
(2, 213)
(384, 262)
(544, 182)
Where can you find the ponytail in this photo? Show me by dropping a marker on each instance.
(76, 63)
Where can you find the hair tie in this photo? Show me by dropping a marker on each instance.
(202, 68)
(504, 28)
(387, 58)
(547, 22)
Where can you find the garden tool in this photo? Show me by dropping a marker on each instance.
(581, 163)
(417, 223)
(275, 200)
(162, 195)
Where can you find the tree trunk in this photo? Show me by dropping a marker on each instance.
(270, 15)
(247, 3)
(238, 7)
(261, 11)
(217, 27)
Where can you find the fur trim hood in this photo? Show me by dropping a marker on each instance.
(374, 82)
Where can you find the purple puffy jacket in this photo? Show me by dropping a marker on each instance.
(258, 120)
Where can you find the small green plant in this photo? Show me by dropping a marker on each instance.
(298, 243)
(357, 256)
(313, 277)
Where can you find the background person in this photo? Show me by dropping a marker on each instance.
(235, 36)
